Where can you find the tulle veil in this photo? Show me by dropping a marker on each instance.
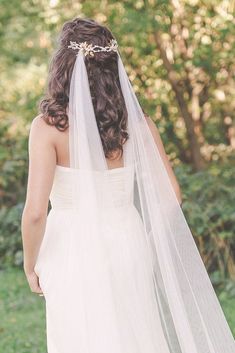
(191, 315)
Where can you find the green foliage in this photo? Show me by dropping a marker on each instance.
(208, 204)
(228, 305)
(13, 165)
(10, 237)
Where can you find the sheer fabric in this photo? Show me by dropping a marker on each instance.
(191, 316)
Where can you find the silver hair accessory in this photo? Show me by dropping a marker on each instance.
(89, 49)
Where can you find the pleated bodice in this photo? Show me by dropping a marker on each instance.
(113, 187)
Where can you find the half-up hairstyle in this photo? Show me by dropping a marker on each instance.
(102, 70)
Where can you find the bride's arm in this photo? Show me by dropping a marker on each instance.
(42, 161)
(158, 141)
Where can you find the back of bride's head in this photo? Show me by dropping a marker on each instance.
(102, 70)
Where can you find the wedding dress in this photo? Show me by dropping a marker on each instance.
(99, 292)
(118, 265)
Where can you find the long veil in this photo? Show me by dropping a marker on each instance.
(191, 315)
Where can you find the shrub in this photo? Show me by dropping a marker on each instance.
(208, 205)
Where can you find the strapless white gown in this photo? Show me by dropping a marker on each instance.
(98, 301)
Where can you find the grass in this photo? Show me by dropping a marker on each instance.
(22, 315)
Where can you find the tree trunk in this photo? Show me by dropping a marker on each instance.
(197, 159)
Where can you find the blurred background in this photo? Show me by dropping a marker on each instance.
(179, 55)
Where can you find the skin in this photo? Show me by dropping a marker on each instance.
(158, 141)
(47, 147)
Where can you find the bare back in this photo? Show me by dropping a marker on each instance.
(62, 151)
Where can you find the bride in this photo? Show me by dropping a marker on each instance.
(114, 258)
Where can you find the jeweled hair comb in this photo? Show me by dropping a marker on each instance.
(89, 49)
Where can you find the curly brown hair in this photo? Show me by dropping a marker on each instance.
(102, 69)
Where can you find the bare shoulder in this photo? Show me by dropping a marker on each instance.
(151, 125)
(41, 130)
(39, 123)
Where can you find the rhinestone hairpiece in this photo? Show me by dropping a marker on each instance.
(89, 49)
